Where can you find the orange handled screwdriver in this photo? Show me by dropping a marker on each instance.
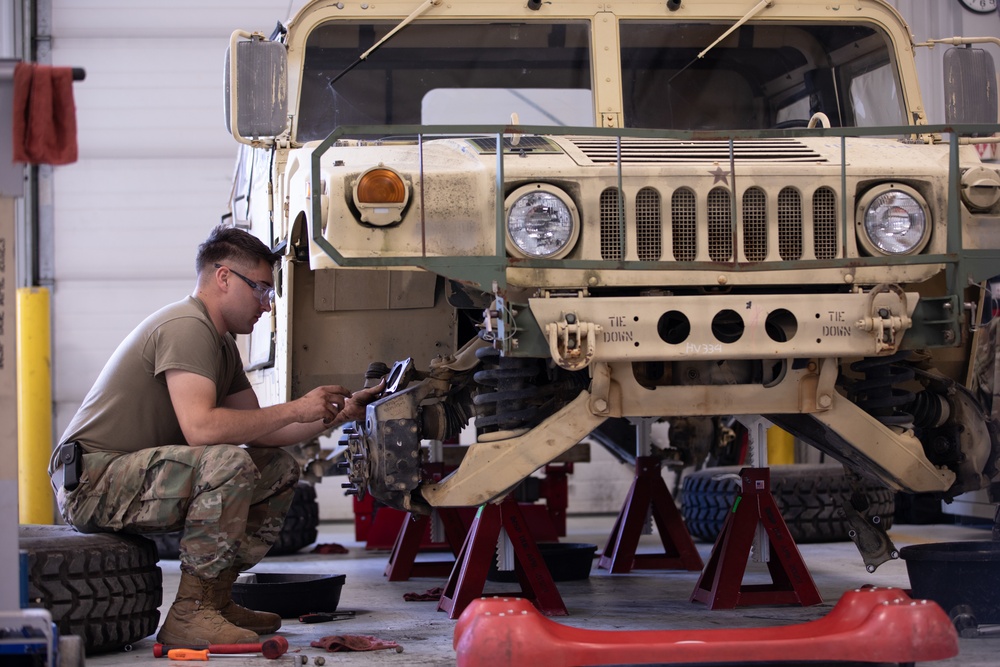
(187, 654)
(272, 648)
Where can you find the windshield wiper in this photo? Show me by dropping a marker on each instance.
(761, 6)
(402, 24)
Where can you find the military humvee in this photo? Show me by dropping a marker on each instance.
(559, 213)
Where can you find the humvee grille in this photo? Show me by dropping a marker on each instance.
(604, 150)
(757, 237)
(647, 225)
(611, 232)
(825, 223)
(525, 144)
(755, 225)
(789, 224)
(720, 225)
(683, 213)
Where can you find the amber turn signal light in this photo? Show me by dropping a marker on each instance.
(381, 186)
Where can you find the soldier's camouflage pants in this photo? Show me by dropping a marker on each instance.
(230, 501)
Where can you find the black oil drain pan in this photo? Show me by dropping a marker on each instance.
(957, 573)
(288, 595)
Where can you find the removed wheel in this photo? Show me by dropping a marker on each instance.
(299, 530)
(104, 588)
(301, 523)
(809, 497)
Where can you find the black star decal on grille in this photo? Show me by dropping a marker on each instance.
(720, 175)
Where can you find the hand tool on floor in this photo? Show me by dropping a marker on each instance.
(272, 648)
(324, 616)
(187, 654)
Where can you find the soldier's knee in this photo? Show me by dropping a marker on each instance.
(286, 461)
(276, 463)
(227, 461)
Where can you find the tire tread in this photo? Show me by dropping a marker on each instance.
(809, 497)
(105, 588)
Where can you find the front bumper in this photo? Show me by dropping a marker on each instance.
(582, 330)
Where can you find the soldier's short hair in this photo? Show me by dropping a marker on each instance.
(231, 245)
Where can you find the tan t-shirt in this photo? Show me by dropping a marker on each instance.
(129, 407)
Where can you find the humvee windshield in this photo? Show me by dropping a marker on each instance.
(764, 75)
(395, 83)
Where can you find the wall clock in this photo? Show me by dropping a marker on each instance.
(980, 6)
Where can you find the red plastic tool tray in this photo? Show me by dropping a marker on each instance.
(866, 625)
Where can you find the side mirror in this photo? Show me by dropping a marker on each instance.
(256, 88)
(970, 83)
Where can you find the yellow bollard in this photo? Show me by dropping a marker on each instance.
(34, 405)
(780, 447)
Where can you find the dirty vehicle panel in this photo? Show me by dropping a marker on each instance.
(561, 213)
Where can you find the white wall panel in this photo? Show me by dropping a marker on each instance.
(168, 20)
(154, 173)
(149, 97)
(92, 319)
(136, 218)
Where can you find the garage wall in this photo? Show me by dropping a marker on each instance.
(156, 164)
(154, 172)
(936, 19)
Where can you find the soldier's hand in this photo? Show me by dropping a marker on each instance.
(354, 409)
(323, 402)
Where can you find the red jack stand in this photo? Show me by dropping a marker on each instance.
(468, 577)
(555, 490)
(384, 526)
(403, 559)
(720, 584)
(364, 511)
(648, 488)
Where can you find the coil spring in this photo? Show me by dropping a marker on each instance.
(878, 395)
(506, 405)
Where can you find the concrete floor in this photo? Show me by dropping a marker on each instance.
(638, 600)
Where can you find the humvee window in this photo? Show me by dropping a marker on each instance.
(760, 77)
(390, 86)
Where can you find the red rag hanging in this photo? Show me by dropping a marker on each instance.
(44, 115)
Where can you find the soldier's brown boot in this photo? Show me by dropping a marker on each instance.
(194, 619)
(261, 622)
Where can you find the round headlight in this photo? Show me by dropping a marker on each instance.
(895, 221)
(541, 222)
